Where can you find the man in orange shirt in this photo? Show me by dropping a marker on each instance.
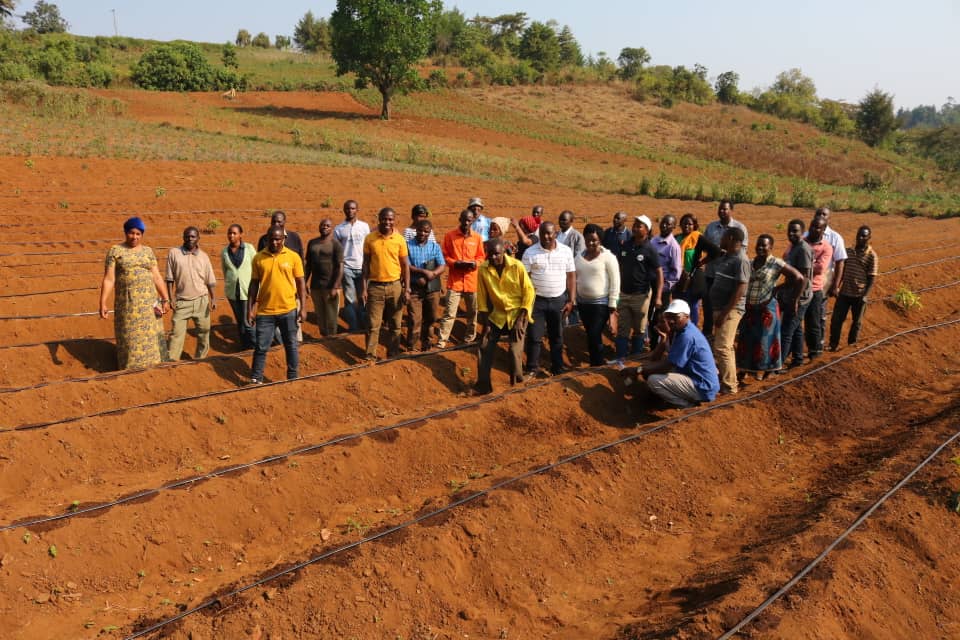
(386, 281)
(463, 252)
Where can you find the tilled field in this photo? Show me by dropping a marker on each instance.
(559, 509)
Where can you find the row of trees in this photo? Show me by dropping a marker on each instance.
(261, 40)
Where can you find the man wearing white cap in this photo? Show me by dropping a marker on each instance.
(687, 374)
(481, 223)
(641, 278)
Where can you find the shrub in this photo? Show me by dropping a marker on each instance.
(437, 79)
(644, 186)
(804, 194)
(743, 193)
(770, 195)
(177, 66)
(663, 186)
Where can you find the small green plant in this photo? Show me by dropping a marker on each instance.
(327, 202)
(212, 225)
(160, 192)
(74, 505)
(355, 526)
(28, 163)
(26, 538)
(382, 188)
(52, 550)
(457, 485)
(297, 137)
(141, 574)
(221, 419)
(63, 204)
(906, 300)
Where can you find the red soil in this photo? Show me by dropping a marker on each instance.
(677, 534)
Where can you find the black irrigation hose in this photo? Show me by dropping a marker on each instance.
(921, 250)
(918, 265)
(524, 476)
(833, 545)
(220, 392)
(179, 484)
(46, 293)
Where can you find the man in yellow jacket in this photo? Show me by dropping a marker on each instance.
(505, 298)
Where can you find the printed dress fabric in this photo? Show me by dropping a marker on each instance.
(138, 330)
(759, 345)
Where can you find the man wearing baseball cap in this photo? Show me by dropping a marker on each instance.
(686, 375)
(481, 223)
(641, 279)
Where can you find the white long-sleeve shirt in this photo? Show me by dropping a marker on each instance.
(598, 280)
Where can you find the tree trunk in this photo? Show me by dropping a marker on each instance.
(385, 111)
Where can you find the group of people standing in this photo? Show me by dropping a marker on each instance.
(648, 290)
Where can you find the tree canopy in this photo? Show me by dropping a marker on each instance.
(6, 8)
(45, 18)
(381, 40)
(875, 118)
(312, 34)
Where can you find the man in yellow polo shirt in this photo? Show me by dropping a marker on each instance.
(505, 296)
(276, 284)
(386, 281)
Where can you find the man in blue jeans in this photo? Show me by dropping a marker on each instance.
(350, 234)
(276, 285)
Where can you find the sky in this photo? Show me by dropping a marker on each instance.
(848, 47)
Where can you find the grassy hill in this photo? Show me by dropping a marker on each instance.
(590, 137)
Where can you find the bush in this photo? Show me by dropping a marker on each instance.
(177, 66)
(743, 193)
(804, 194)
(437, 79)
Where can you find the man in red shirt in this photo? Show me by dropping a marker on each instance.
(463, 252)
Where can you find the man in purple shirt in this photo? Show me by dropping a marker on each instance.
(671, 261)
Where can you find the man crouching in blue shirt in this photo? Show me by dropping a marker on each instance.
(686, 375)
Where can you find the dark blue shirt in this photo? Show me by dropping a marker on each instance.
(614, 240)
(638, 267)
(690, 355)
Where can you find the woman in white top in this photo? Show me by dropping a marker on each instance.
(598, 290)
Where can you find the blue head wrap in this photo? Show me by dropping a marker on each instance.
(134, 223)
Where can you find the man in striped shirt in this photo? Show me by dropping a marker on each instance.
(859, 273)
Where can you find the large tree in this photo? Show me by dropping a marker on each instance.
(541, 47)
(312, 34)
(45, 18)
(381, 40)
(6, 8)
(726, 87)
(631, 61)
(875, 118)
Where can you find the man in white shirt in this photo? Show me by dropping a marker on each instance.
(553, 274)
(351, 233)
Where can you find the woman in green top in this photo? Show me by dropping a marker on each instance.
(237, 261)
(140, 302)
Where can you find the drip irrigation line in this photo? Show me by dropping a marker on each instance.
(921, 250)
(54, 315)
(833, 545)
(918, 265)
(544, 468)
(46, 293)
(185, 482)
(221, 392)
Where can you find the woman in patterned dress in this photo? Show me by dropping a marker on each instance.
(758, 349)
(140, 302)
